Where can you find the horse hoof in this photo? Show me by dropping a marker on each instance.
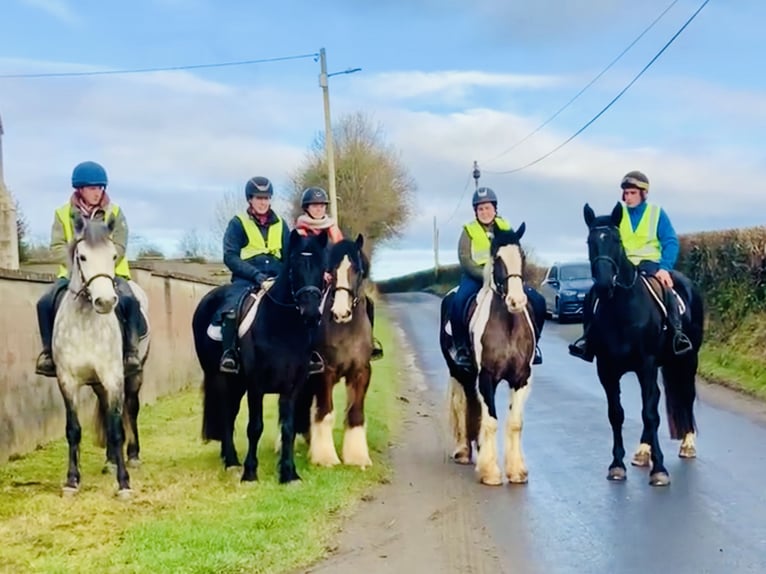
(462, 455)
(69, 491)
(124, 494)
(641, 459)
(687, 452)
(659, 479)
(134, 463)
(617, 474)
(520, 478)
(491, 479)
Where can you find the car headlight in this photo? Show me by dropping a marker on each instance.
(569, 292)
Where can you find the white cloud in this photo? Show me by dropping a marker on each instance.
(60, 9)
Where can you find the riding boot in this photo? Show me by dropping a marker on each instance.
(316, 363)
(680, 343)
(129, 308)
(582, 348)
(45, 316)
(230, 357)
(377, 347)
(461, 351)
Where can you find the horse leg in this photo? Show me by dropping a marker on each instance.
(650, 414)
(486, 463)
(68, 389)
(130, 418)
(610, 381)
(232, 401)
(458, 418)
(254, 431)
(287, 472)
(515, 467)
(321, 445)
(115, 434)
(355, 449)
(678, 376)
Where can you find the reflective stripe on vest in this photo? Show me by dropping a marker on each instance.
(480, 242)
(64, 213)
(255, 243)
(643, 243)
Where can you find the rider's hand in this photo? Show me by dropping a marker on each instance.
(327, 277)
(664, 278)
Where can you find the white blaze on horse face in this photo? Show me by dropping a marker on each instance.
(515, 299)
(342, 304)
(94, 268)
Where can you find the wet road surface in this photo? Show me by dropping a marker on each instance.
(569, 518)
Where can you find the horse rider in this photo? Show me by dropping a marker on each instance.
(651, 244)
(254, 248)
(473, 253)
(90, 200)
(315, 220)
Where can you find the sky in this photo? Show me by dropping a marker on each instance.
(449, 82)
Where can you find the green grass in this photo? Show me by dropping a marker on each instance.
(187, 513)
(738, 360)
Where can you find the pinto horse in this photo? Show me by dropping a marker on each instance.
(275, 350)
(88, 350)
(345, 343)
(628, 334)
(503, 341)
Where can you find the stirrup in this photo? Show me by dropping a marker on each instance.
(316, 364)
(681, 344)
(45, 365)
(579, 349)
(538, 360)
(228, 365)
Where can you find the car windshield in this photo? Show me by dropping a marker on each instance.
(572, 272)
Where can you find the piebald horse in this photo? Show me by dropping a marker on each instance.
(503, 341)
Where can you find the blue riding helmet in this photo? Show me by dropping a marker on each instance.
(89, 173)
(258, 186)
(484, 195)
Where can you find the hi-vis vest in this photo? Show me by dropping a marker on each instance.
(480, 243)
(255, 243)
(64, 213)
(643, 243)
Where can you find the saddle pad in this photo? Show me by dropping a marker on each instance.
(655, 290)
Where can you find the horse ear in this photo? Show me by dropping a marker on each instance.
(617, 214)
(520, 231)
(359, 241)
(588, 214)
(78, 222)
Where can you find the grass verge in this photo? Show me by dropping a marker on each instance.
(187, 514)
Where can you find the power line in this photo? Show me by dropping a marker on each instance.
(609, 105)
(588, 85)
(158, 69)
(460, 201)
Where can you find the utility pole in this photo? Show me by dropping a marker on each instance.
(436, 250)
(476, 174)
(328, 142)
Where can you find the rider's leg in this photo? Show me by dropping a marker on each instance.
(130, 311)
(460, 336)
(377, 348)
(46, 314)
(582, 347)
(538, 307)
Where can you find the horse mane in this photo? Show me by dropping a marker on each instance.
(347, 247)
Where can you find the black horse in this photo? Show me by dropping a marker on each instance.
(628, 334)
(275, 352)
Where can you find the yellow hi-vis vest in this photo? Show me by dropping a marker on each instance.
(643, 243)
(480, 243)
(255, 243)
(64, 213)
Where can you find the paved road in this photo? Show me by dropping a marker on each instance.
(569, 518)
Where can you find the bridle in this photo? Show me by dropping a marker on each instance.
(615, 266)
(354, 290)
(84, 290)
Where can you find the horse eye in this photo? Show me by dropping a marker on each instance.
(81, 257)
(114, 257)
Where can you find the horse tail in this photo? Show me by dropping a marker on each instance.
(679, 375)
(302, 410)
(215, 407)
(99, 422)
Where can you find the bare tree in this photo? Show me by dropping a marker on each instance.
(375, 191)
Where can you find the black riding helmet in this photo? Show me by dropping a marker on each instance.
(312, 195)
(258, 186)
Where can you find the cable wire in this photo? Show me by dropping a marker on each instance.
(158, 69)
(588, 85)
(609, 105)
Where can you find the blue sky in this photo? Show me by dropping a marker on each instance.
(450, 82)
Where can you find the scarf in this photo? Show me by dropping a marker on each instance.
(85, 208)
(262, 219)
(314, 225)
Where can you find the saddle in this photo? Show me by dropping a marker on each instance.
(247, 307)
(657, 291)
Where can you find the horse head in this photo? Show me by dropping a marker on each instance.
(507, 269)
(93, 257)
(605, 251)
(349, 268)
(306, 264)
